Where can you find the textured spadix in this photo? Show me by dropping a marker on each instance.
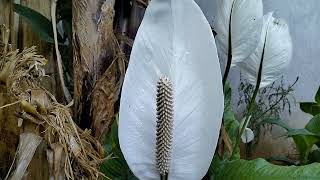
(245, 16)
(277, 52)
(174, 40)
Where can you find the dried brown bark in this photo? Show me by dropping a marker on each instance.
(98, 64)
(9, 133)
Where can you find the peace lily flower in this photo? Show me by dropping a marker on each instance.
(172, 97)
(238, 27)
(274, 51)
(247, 135)
(271, 57)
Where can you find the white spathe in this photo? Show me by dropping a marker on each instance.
(247, 135)
(277, 53)
(174, 40)
(246, 27)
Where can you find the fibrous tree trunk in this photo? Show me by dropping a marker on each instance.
(9, 132)
(98, 64)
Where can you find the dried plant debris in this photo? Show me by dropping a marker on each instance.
(69, 147)
(26, 149)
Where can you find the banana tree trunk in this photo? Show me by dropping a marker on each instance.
(98, 64)
(9, 132)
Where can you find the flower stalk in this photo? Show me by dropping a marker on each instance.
(228, 66)
(253, 98)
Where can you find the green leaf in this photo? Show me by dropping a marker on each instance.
(215, 163)
(231, 125)
(314, 124)
(227, 97)
(260, 169)
(304, 145)
(37, 21)
(276, 121)
(310, 108)
(116, 168)
(283, 159)
(304, 141)
(301, 132)
(317, 98)
(230, 122)
(314, 156)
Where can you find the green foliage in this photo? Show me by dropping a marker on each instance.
(37, 21)
(312, 108)
(230, 122)
(271, 101)
(115, 168)
(314, 156)
(305, 138)
(260, 169)
(232, 127)
(317, 97)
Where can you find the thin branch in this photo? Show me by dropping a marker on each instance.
(11, 104)
(59, 61)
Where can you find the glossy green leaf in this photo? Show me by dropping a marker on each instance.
(282, 159)
(314, 156)
(304, 141)
(260, 169)
(115, 168)
(37, 21)
(301, 132)
(310, 108)
(231, 125)
(317, 98)
(314, 124)
(304, 145)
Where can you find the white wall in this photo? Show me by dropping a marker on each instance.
(303, 18)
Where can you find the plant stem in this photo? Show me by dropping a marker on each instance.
(250, 106)
(227, 70)
(252, 100)
(164, 177)
(65, 90)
